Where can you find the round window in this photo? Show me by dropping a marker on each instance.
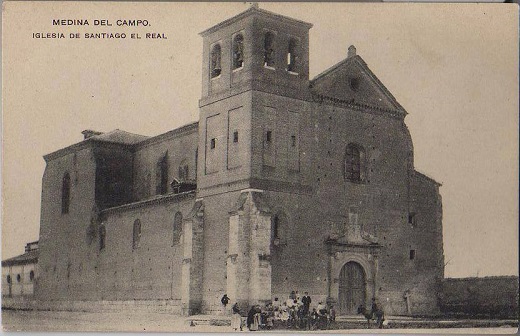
(354, 83)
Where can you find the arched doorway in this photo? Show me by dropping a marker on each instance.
(352, 288)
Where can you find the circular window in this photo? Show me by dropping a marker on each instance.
(18, 278)
(31, 275)
(354, 83)
(8, 279)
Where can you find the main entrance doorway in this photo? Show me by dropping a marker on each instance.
(352, 288)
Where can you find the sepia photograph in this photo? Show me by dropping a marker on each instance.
(273, 167)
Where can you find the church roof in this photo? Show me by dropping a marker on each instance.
(23, 259)
(121, 137)
(335, 84)
(258, 11)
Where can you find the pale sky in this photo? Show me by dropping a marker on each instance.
(453, 67)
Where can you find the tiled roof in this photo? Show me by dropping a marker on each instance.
(119, 136)
(26, 258)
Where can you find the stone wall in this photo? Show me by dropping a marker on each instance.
(179, 147)
(66, 245)
(495, 296)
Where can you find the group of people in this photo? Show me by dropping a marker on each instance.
(295, 312)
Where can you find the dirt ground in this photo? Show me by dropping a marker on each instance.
(46, 321)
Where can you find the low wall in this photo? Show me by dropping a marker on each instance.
(148, 306)
(487, 296)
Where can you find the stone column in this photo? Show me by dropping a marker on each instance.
(260, 290)
(193, 260)
(248, 264)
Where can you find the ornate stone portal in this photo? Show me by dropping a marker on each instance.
(352, 268)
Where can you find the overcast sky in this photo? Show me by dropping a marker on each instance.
(453, 67)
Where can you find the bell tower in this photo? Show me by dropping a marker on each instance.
(248, 60)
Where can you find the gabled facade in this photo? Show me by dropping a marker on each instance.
(283, 184)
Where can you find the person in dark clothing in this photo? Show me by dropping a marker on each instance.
(225, 301)
(377, 314)
(332, 317)
(313, 319)
(306, 300)
(250, 317)
(236, 320)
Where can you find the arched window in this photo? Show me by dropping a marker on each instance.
(31, 275)
(102, 236)
(18, 278)
(184, 171)
(136, 234)
(65, 194)
(354, 163)
(215, 61)
(8, 279)
(238, 51)
(269, 52)
(162, 175)
(177, 228)
(292, 58)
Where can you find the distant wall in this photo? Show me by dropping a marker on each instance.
(495, 296)
(17, 280)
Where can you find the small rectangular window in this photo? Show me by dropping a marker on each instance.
(268, 136)
(412, 254)
(235, 136)
(293, 140)
(412, 219)
(213, 143)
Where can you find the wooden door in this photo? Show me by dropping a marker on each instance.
(352, 288)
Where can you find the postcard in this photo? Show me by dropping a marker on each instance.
(236, 167)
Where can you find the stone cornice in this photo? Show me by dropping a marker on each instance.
(335, 242)
(322, 99)
(175, 133)
(150, 201)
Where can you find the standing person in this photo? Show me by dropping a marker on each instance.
(250, 318)
(236, 320)
(224, 301)
(377, 314)
(332, 316)
(276, 304)
(257, 318)
(322, 316)
(313, 319)
(306, 300)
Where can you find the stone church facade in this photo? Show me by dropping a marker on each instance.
(284, 183)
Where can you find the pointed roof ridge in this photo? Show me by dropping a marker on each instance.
(119, 136)
(359, 60)
(254, 9)
(427, 177)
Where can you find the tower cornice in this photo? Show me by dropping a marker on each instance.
(254, 10)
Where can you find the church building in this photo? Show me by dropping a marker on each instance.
(285, 183)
